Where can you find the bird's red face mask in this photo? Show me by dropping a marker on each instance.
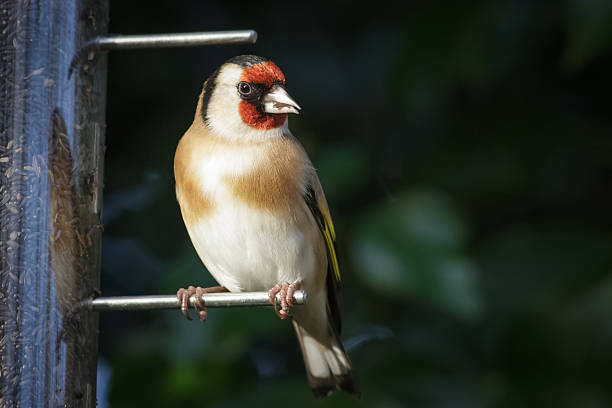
(265, 102)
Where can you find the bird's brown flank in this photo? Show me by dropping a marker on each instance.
(194, 143)
(273, 184)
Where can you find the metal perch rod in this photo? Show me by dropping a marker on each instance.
(125, 42)
(132, 42)
(226, 299)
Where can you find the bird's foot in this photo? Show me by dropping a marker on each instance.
(286, 291)
(183, 296)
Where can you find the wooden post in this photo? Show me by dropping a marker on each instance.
(51, 162)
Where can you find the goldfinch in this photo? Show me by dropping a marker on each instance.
(256, 213)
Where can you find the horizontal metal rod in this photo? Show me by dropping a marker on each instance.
(226, 299)
(130, 42)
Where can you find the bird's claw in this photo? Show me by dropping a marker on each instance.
(183, 296)
(286, 291)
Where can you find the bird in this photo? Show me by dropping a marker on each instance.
(255, 211)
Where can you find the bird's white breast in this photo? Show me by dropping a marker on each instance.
(245, 247)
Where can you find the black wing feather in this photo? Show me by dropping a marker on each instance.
(333, 284)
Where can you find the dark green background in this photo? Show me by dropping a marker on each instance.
(465, 149)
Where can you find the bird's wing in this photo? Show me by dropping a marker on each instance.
(315, 199)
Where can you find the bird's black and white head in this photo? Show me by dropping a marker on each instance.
(246, 99)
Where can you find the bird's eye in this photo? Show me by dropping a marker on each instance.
(245, 88)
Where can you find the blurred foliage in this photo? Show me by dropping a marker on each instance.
(412, 247)
(466, 152)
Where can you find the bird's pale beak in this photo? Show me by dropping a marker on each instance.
(277, 100)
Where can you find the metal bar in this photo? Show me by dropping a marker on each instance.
(130, 42)
(155, 302)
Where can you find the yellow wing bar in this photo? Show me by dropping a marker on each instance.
(330, 240)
